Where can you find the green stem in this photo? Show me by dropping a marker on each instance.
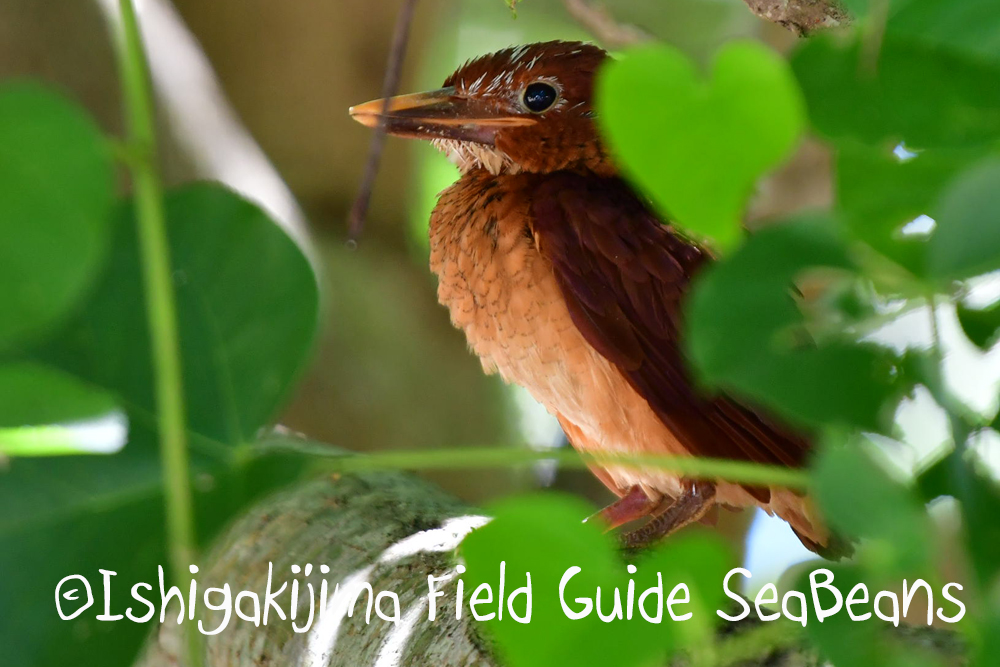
(937, 349)
(161, 309)
(489, 457)
(961, 419)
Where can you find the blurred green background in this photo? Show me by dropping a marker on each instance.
(389, 370)
(255, 94)
(238, 80)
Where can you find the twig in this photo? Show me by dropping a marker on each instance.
(601, 24)
(400, 35)
(801, 16)
(463, 458)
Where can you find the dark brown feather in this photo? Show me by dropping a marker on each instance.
(624, 276)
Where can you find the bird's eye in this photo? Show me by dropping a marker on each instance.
(539, 96)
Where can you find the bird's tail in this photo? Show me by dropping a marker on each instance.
(803, 516)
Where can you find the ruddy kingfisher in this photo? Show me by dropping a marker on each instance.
(567, 283)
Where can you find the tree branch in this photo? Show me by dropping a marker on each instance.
(801, 16)
(390, 84)
(596, 19)
(363, 526)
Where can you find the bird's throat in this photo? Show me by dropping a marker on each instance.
(468, 155)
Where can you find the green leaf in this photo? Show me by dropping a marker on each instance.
(35, 395)
(860, 9)
(247, 305)
(696, 147)
(104, 437)
(878, 194)
(918, 93)
(56, 189)
(860, 499)
(543, 535)
(986, 650)
(982, 327)
(869, 643)
(923, 367)
(969, 27)
(967, 240)
(746, 334)
(959, 476)
(36, 405)
(857, 8)
(935, 480)
(839, 639)
(75, 515)
(247, 308)
(980, 498)
(701, 560)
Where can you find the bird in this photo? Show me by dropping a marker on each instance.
(567, 283)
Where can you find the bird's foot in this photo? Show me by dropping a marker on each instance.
(632, 506)
(691, 506)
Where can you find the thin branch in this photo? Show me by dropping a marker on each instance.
(801, 16)
(463, 458)
(597, 20)
(390, 84)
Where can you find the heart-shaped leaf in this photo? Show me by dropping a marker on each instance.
(696, 147)
(543, 535)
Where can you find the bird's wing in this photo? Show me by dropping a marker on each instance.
(624, 275)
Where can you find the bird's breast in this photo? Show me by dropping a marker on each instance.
(502, 292)
(499, 289)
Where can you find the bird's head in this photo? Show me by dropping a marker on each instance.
(522, 109)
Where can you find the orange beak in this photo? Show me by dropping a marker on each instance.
(438, 114)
